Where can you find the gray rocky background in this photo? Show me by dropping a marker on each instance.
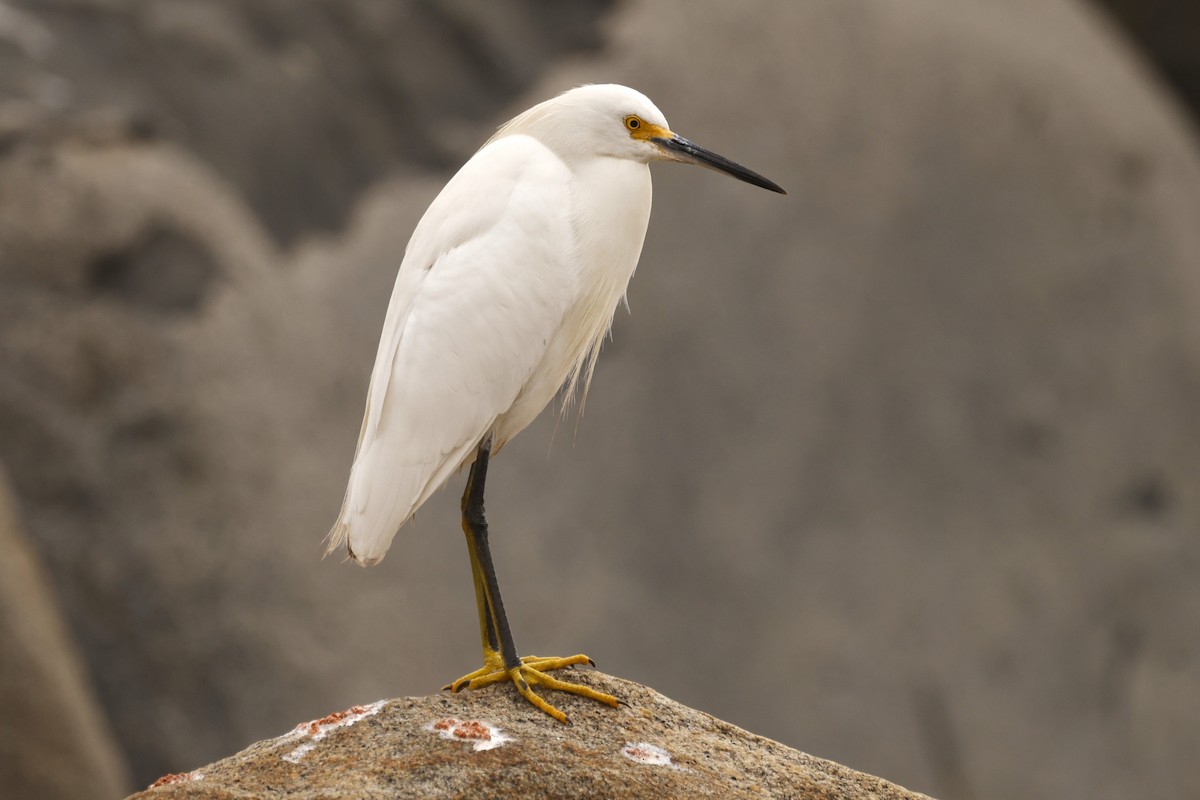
(901, 470)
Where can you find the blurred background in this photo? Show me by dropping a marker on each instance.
(902, 470)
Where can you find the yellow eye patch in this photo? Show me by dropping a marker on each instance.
(640, 129)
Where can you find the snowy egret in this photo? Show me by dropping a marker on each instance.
(505, 293)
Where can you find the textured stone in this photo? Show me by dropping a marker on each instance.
(491, 743)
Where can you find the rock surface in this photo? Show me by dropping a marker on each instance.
(492, 744)
(55, 743)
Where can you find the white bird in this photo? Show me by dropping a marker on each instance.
(507, 288)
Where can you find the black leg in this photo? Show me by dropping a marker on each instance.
(493, 621)
(500, 659)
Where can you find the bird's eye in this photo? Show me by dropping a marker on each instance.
(633, 123)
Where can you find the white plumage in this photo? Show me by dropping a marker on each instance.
(506, 291)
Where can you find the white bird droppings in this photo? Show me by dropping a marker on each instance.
(642, 753)
(483, 735)
(318, 729)
(299, 753)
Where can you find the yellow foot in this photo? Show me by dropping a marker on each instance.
(532, 672)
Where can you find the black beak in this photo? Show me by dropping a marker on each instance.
(681, 149)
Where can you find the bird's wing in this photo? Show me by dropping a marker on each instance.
(485, 282)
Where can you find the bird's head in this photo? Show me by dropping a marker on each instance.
(619, 122)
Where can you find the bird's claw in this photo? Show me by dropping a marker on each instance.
(532, 672)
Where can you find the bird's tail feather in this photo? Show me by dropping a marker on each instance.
(337, 538)
(395, 491)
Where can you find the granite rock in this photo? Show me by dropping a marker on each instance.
(492, 744)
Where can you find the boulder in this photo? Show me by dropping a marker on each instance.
(491, 743)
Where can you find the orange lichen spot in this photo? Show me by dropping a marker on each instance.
(174, 777)
(314, 727)
(463, 729)
(483, 735)
(318, 729)
(338, 718)
(473, 730)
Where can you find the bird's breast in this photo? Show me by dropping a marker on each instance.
(610, 210)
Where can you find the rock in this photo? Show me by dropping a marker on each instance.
(55, 742)
(491, 743)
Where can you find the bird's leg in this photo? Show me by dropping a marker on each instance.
(500, 659)
(492, 619)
